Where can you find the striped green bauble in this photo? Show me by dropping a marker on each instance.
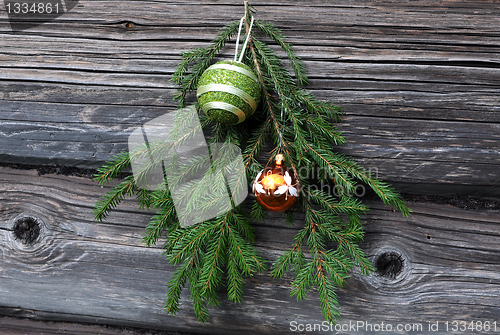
(228, 92)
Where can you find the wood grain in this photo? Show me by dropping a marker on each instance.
(418, 81)
(84, 271)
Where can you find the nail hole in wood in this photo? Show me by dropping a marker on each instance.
(26, 229)
(428, 237)
(128, 25)
(389, 264)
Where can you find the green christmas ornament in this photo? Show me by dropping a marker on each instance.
(228, 91)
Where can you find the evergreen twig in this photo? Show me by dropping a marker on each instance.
(219, 252)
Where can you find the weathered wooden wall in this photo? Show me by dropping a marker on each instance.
(419, 82)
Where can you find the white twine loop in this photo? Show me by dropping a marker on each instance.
(238, 40)
(282, 130)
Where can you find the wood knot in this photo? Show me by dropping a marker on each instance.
(389, 264)
(26, 229)
(128, 25)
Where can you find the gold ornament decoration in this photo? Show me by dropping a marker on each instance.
(276, 188)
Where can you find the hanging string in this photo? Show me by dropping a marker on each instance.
(238, 40)
(282, 130)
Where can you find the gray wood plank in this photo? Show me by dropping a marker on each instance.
(83, 271)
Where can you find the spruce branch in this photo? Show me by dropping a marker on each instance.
(195, 62)
(277, 36)
(269, 105)
(113, 198)
(160, 222)
(112, 168)
(307, 138)
(219, 252)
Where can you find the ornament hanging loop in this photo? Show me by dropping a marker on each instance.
(282, 130)
(238, 40)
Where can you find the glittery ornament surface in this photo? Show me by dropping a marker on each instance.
(276, 188)
(234, 82)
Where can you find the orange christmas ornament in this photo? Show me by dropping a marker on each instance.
(275, 187)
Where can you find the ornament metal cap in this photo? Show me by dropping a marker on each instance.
(279, 159)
